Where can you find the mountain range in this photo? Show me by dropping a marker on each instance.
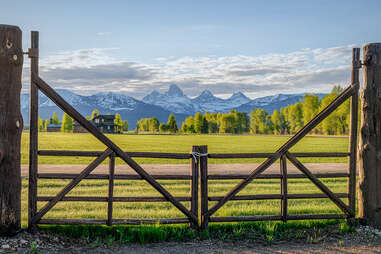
(158, 105)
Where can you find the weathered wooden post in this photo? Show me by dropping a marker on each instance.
(370, 137)
(11, 125)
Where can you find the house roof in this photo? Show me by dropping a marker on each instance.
(107, 117)
(52, 125)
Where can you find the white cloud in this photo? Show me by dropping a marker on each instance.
(306, 70)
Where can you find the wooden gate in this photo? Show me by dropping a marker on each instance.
(283, 155)
(199, 167)
(112, 151)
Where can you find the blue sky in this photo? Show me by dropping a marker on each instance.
(257, 47)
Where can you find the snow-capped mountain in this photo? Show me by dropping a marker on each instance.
(129, 108)
(173, 100)
(158, 105)
(273, 102)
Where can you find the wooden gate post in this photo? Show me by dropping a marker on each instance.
(370, 137)
(11, 125)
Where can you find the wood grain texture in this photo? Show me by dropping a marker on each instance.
(204, 187)
(194, 167)
(33, 134)
(11, 126)
(370, 137)
(355, 82)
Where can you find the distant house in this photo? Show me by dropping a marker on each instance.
(105, 123)
(77, 128)
(53, 127)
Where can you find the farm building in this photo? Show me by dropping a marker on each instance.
(53, 127)
(105, 123)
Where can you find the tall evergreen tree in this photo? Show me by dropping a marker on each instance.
(125, 125)
(172, 125)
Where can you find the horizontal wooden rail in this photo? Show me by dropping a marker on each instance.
(185, 155)
(278, 217)
(130, 154)
(245, 218)
(187, 177)
(114, 221)
(239, 155)
(116, 177)
(268, 155)
(280, 196)
(311, 155)
(316, 216)
(115, 199)
(273, 176)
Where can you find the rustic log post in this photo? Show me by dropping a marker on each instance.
(204, 186)
(33, 133)
(370, 137)
(355, 82)
(194, 168)
(11, 125)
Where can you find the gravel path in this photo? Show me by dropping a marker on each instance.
(364, 240)
(181, 169)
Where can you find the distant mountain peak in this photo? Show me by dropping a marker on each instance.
(239, 95)
(174, 90)
(206, 93)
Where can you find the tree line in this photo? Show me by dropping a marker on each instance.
(287, 120)
(67, 123)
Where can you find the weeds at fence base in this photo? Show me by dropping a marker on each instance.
(262, 232)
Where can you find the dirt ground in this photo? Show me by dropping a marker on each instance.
(184, 169)
(364, 240)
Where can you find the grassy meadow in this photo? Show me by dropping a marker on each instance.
(180, 144)
(139, 188)
(183, 144)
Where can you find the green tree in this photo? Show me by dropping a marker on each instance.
(163, 127)
(172, 125)
(119, 123)
(227, 123)
(94, 113)
(295, 117)
(188, 125)
(143, 124)
(55, 118)
(259, 121)
(311, 105)
(125, 125)
(154, 124)
(278, 123)
(67, 123)
(198, 122)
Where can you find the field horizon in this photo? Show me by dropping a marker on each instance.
(181, 143)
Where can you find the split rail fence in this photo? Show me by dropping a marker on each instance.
(199, 214)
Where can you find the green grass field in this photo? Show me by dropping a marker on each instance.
(138, 188)
(181, 144)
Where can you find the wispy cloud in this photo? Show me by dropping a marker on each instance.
(93, 70)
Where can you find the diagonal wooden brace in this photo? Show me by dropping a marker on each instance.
(71, 185)
(66, 107)
(320, 185)
(348, 92)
